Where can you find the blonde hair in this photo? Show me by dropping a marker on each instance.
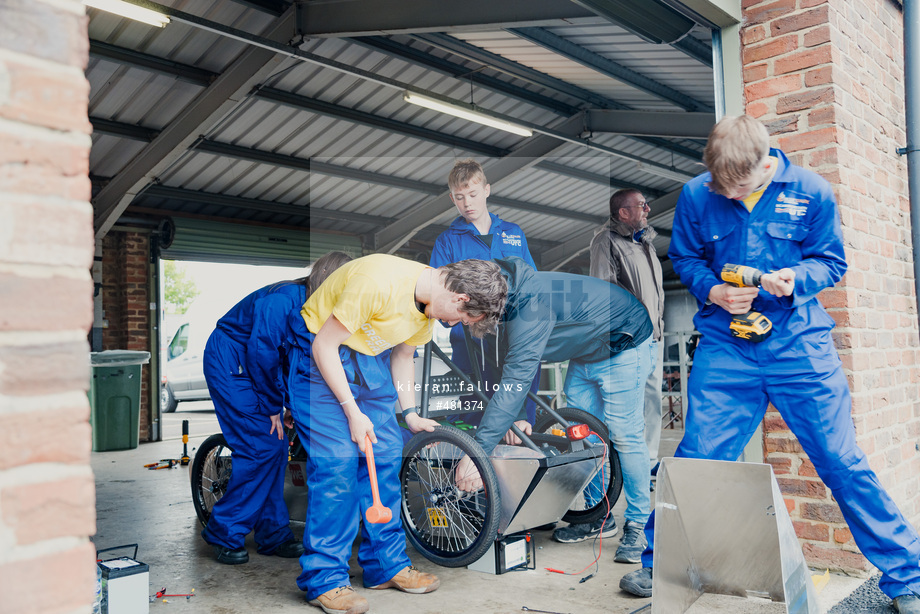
(736, 145)
(465, 172)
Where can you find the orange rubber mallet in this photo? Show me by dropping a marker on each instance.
(378, 513)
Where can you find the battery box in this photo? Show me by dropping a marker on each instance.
(507, 554)
(125, 585)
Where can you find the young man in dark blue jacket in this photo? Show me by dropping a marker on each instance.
(755, 208)
(481, 235)
(606, 335)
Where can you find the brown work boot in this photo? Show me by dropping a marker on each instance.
(341, 600)
(411, 580)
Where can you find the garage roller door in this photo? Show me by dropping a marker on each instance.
(191, 239)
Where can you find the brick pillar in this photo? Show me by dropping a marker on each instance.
(126, 304)
(826, 78)
(47, 496)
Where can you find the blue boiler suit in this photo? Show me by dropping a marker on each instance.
(242, 365)
(795, 224)
(337, 478)
(461, 241)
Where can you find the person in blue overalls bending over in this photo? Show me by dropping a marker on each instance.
(351, 363)
(755, 208)
(477, 233)
(242, 367)
(606, 335)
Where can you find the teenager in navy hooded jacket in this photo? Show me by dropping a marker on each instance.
(481, 235)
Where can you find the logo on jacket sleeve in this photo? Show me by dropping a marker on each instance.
(796, 205)
(509, 239)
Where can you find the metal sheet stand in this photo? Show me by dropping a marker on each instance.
(722, 527)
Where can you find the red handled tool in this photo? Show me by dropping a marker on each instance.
(162, 593)
(378, 513)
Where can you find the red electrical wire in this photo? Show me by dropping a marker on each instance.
(600, 548)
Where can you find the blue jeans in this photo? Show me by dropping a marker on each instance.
(614, 391)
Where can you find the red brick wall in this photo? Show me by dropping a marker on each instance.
(826, 78)
(47, 496)
(126, 304)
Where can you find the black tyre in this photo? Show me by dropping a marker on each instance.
(211, 471)
(590, 505)
(168, 402)
(449, 527)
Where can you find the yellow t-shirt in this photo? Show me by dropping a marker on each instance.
(374, 298)
(754, 198)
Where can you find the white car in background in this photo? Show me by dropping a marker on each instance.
(183, 375)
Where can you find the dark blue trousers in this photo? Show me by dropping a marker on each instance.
(337, 477)
(730, 385)
(255, 496)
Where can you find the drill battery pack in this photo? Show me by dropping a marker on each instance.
(752, 326)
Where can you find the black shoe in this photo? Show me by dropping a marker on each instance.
(638, 583)
(632, 544)
(581, 532)
(228, 556)
(290, 549)
(906, 604)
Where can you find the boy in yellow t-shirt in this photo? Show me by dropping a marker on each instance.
(351, 361)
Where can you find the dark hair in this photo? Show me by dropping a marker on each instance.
(324, 266)
(619, 200)
(483, 282)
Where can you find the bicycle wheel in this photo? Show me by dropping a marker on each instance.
(448, 526)
(211, 471)
(590, 505)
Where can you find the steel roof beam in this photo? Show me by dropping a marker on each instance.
(608, 67)
(532, 151)
(651, 123)
(458, 71)
(253, 204)
(129, 57)
(212, 104)
(249, 154)
(696, 49)
(342, 172)
(515, 69)
(369, 17)
(493, 60)
(203, 78)
(360, 117)
(272, 7)
(126, 131)
(611, 182)
(647, 19)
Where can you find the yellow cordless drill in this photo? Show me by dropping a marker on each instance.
(753, 325)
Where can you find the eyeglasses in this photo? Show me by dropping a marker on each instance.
(642, 205)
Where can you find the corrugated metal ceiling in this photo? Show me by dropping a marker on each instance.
(379, 161)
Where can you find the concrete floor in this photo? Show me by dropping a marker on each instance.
(154, 509)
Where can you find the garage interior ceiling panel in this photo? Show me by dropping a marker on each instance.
(379, 164)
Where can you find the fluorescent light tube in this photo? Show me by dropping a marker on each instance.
(667, 173)
(131, 11)
(465, 113)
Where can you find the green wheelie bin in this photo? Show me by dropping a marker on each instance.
(115, 398)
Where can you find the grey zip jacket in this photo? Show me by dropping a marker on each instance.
(554, 317)
(619, 259)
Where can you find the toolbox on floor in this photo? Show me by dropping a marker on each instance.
(125, 583)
